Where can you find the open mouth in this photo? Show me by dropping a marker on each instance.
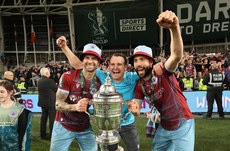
(140, 69)
(116, 72)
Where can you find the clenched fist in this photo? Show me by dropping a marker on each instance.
(82, 105)
(168, 19)
(61, 42)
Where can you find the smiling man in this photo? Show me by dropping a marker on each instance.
(125, 83)
(75, 89)
(177, 127)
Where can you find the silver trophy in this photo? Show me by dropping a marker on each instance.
(107, 113)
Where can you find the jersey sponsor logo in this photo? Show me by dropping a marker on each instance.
(159, 93)
(74, 98)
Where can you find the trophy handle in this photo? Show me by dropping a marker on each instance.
(92, 117)
(124, 118)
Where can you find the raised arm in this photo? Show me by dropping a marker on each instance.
(169, 20)
(73, 59)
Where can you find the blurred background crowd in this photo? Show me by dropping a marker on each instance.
(190, 72)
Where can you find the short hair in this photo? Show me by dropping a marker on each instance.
(43, 71)
(116, 54)
(7, 74)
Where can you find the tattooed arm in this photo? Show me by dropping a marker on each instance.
(62, 106)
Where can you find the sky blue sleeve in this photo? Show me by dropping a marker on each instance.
(101, 75)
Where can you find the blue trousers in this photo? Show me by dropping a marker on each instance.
(62, 138)
(181, 139)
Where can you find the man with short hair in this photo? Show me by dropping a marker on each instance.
(124, 83)
(76, 88)
(176, 127)
(215, 80)
(9, 76)
(47, 89)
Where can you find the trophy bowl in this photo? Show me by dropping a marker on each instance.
(107, 113)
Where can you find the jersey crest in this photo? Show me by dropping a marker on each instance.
(13, 114)
(154, 79)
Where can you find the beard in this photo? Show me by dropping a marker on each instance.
(147, 71)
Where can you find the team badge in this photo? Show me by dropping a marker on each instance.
(93, 91)
(13, 114)
(154, 79)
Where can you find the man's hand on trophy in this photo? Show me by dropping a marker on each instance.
(133, 107)
(61, 42)
(81, 106)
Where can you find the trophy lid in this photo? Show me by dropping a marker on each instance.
(107, 90)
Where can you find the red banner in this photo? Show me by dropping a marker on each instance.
(33, 37)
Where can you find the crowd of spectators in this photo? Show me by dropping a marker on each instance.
(27, 77)
(190, 72)
(195, 66)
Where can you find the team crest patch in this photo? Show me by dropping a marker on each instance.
(154, 79)
(93, 91)
(77, 85)
(13, 114)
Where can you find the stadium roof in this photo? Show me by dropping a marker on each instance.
(38, 7)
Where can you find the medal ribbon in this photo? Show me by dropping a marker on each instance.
(150, 98)
(82, 83)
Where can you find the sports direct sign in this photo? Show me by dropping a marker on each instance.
(133, 25)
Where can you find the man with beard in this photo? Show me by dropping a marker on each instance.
(75, 89)
(125, 84)
(176, 128)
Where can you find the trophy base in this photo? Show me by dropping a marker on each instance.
(107, 137)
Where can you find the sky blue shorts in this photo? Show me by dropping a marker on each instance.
(181, 139)
(62, 138)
